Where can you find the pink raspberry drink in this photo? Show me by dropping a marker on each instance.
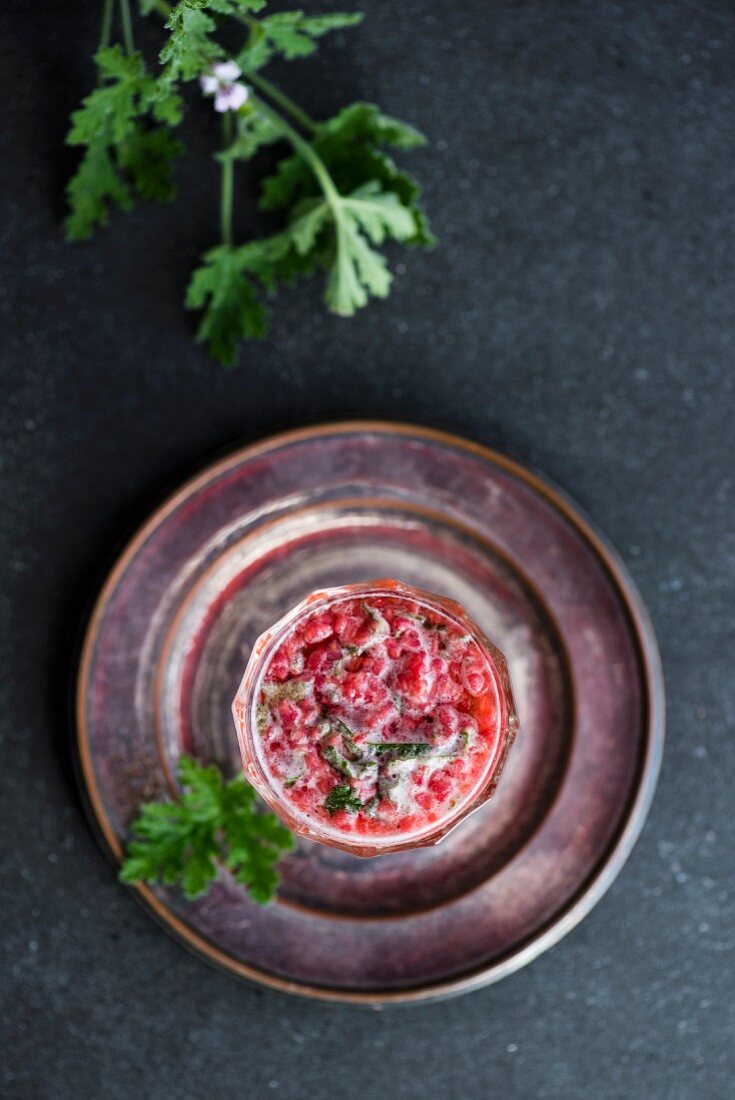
(374, 717)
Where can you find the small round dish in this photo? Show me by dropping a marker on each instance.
(228, 554)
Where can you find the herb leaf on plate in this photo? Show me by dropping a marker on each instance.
(214, 823)
(342, 798)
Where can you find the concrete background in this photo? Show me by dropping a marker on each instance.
(580, 314)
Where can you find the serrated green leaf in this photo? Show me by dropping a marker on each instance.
(167, 107)
(256, 52)
(235, 7)
(379, 214)
(400, 750)
(199, 870)
(135, 869)
(232, 308)
(92, 190)
(342, 798)
(109, 123)
(366, 122)
(115, 64)
(350, 147)
(149, 156)
(303, 230)
(189, 49)
(318, 25)
(109, 112)
(368, 163)
(273, 833)
(292, 177)
(284, 264)
(358, 272)
(369, 215)
(213, 823)
(241, 793)
(261, 888)
(290, 34)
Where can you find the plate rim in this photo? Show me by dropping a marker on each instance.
(591, 889)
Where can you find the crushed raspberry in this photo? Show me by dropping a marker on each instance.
(376, 716)
(318, 629)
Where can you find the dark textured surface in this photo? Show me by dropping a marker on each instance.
(580, 313)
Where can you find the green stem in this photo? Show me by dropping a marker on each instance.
(127, 26)
(228, 179)
(282, 100)
(307, 152)
(106, 24)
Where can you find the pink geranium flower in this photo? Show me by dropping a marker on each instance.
(221, 82)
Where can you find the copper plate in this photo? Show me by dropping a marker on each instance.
(228, 553)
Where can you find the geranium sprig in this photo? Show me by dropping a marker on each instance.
(341, 193)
